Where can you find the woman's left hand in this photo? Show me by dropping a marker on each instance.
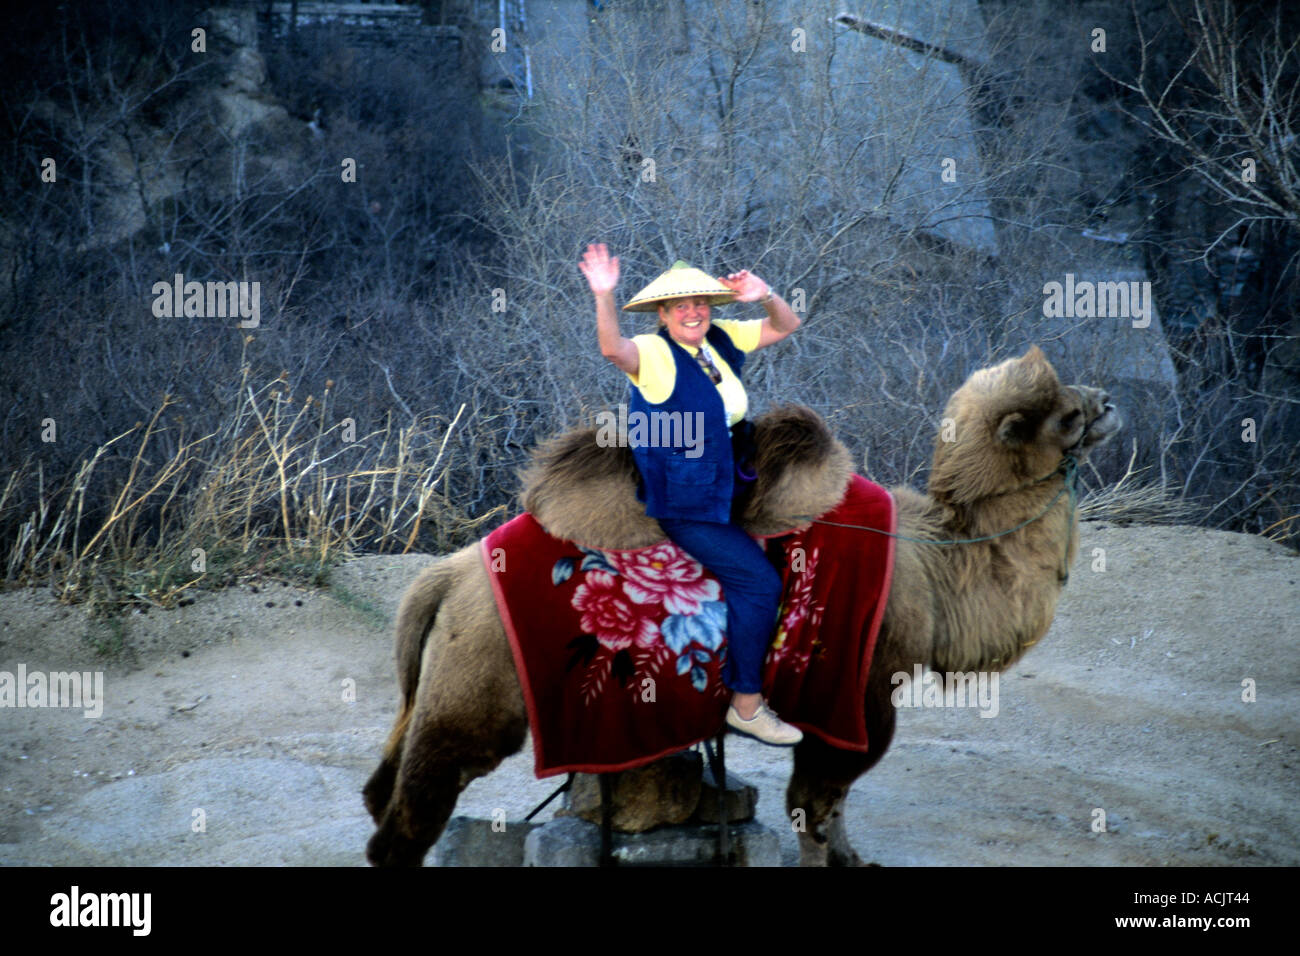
(747, 286)
(780, 320)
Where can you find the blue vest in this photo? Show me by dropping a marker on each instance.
(677, 485)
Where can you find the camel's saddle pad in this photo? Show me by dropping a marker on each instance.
(619, 652)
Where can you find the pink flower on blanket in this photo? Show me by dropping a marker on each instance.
(616, 622)
(799, 604)
(784, 655)
(665, 573)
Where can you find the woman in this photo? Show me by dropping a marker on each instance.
(692, 366)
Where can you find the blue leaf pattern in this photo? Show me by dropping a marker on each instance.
(681, 630)
(562, 571)
(596, 561)
(714, 614)
(699, 679)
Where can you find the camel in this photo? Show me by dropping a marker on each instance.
(998, 465)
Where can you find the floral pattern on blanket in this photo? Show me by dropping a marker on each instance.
(651, 613)
(797, 607)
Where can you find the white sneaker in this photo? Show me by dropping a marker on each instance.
(765, 726)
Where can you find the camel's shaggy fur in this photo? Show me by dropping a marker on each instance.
(953, 607)
(582, 492)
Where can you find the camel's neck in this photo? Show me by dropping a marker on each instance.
(998, 514)
(1000, 593)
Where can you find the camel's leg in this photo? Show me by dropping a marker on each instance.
(821, 779)
(839, 851)
(421, 604)
(468, 715)
(426, 785)
(379, 788)
(823, 775)
(440, 758)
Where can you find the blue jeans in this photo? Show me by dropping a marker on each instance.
(751, 588)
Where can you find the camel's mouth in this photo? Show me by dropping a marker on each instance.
(1101, 417)
(1103, 427)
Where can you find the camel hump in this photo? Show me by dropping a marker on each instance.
(802, 470)
(583, 491)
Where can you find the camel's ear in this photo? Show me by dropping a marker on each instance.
(1015, 430)
(1034, 355)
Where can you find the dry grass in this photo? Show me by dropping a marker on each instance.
(281, 487)
(1132, 501)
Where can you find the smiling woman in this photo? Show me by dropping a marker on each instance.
(692, 366)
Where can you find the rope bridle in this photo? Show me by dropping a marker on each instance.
(1069, 467)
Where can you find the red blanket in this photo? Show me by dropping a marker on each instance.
(618, 652)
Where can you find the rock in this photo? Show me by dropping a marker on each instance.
(246, 71)
(567, 841)
(664, 792)
(233, 25)
(473, 842)
(234, 113)
(741, 799)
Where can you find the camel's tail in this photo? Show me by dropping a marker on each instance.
(415, 617)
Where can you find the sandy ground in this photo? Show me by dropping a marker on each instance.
(230, 736)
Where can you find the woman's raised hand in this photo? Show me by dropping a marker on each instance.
(747, 286)
(601, 271)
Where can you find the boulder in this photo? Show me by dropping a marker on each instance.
(664, 792)
(472, 842)
(571, 842)
(741, 799)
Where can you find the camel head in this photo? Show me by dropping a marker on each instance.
(1012, 424)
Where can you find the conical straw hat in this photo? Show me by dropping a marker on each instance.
(678, 282)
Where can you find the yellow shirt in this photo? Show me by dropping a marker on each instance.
(657, 376)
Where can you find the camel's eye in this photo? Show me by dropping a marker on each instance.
(1070, 420)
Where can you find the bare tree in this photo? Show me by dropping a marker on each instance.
(1230, 106)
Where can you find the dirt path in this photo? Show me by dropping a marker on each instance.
(235, 713)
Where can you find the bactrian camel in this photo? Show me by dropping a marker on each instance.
(998, 463)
